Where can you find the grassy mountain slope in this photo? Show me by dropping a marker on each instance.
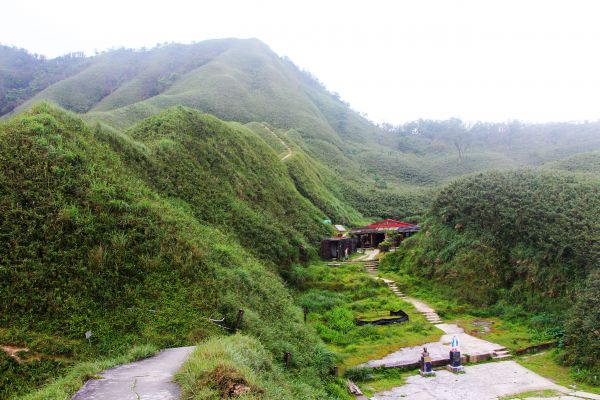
(236, 80)
(229, 178)
(90, 241)
(523, 243)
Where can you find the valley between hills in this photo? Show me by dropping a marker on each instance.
(147, 196)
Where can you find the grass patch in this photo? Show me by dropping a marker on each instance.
(545, 364)
(336, 296)
(533, 393)
(240, 366)
(382, 379)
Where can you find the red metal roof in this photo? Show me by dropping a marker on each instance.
(389, 223)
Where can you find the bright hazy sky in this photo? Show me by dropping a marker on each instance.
(393, 60)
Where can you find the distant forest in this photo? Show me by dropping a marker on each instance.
(23, 74)
(529, 143)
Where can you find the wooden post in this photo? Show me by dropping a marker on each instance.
(238, 321)
(287, 358)
(305, 313)
(335, 371)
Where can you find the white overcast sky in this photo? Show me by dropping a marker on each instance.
(393, 60)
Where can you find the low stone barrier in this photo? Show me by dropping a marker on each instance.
(400, 316)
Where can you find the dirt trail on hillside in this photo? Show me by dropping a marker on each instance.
(289, 149)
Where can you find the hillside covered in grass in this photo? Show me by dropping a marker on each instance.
(141, 238)
(244, 81)
(361, 168)
(523, 244)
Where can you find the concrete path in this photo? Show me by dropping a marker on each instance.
(149, 379)
(479, 382)
(370, 255)
(472, 348)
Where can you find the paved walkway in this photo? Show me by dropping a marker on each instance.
(479, 382)
(149, 379)
(472, 348)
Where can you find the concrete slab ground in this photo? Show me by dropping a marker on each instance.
(149, 379)
(370, 255)
(469, 346)
(480, 382)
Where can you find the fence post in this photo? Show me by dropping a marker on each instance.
(287, 358)
(238, 321)
(305, 313)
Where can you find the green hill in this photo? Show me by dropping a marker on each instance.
(242, 81)
(142, 238)
(522, 244)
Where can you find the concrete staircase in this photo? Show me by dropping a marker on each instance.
(501, 354)
(371, 267)
(433, 317)
(430, 315)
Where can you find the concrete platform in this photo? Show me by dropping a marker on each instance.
(480, 382)
(473, 350)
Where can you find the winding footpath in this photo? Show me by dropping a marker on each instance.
(149, 379)
(488, 381)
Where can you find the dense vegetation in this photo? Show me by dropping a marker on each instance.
(88, 244)
(335, 297)
(142, 217)
(522, 244)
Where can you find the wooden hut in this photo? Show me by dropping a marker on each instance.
(335, 248)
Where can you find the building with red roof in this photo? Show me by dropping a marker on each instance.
(375, 233)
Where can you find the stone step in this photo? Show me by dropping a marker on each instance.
(500, 349)
(501, 353)
(501, 357)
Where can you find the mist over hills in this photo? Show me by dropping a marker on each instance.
(193, 180)
(243, 80)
